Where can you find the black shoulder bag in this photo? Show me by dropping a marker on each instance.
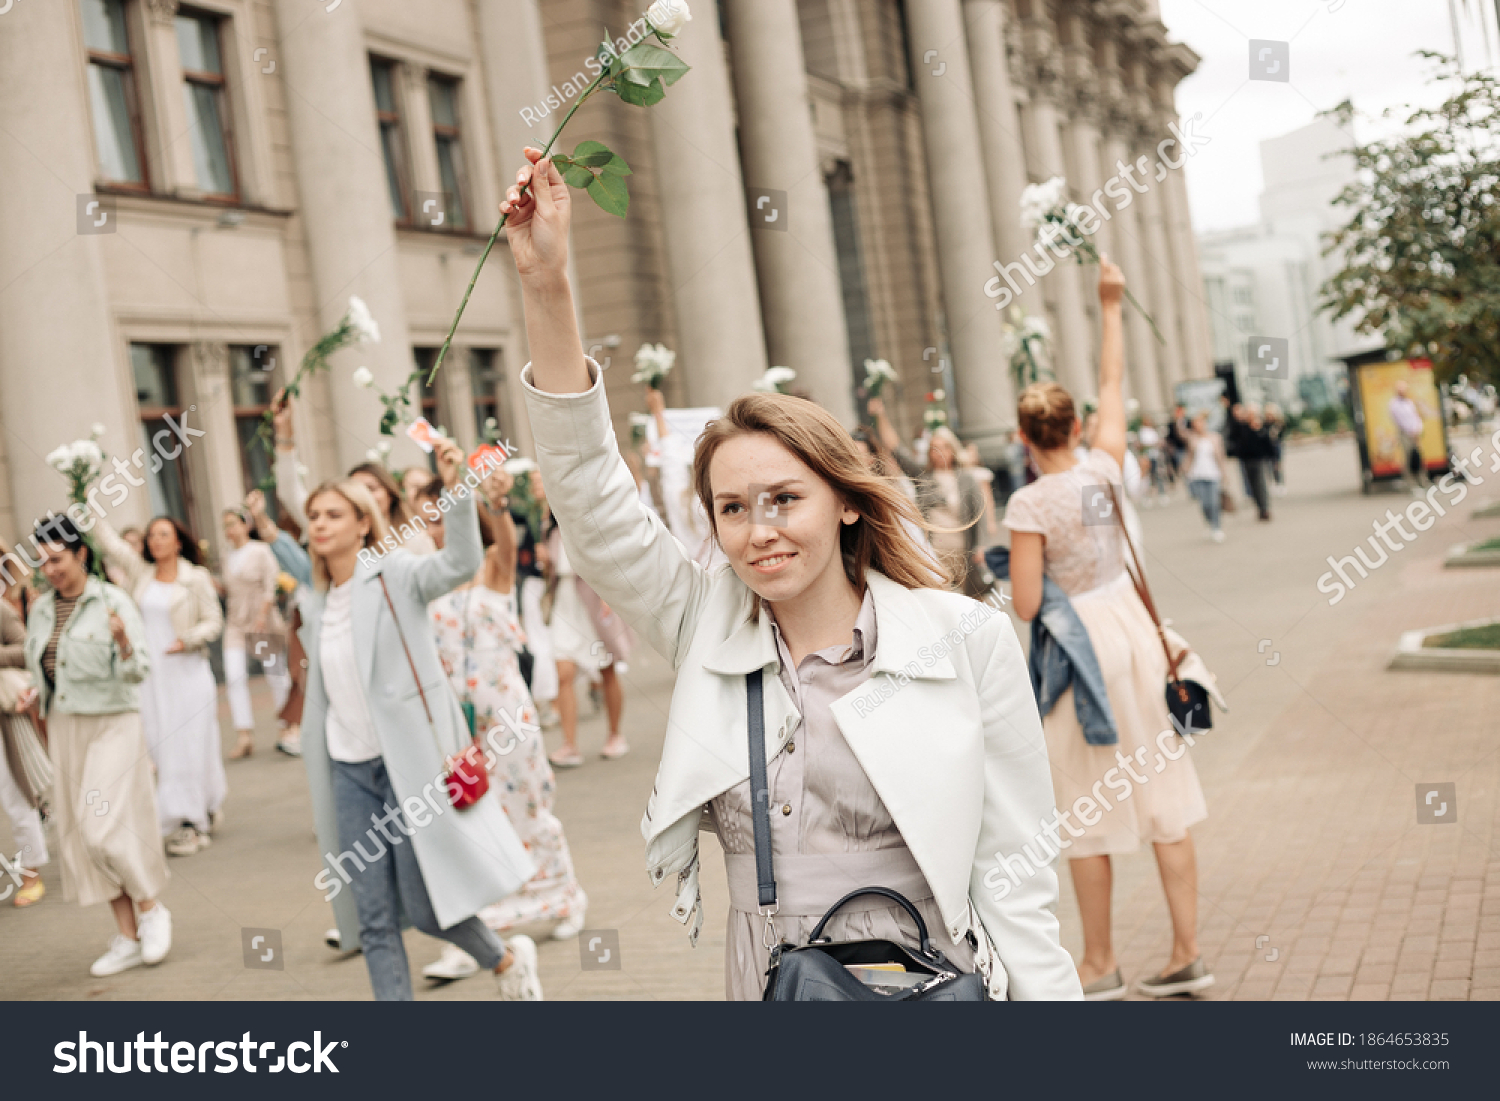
(818, 971)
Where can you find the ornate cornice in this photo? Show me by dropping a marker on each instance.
(162, 11)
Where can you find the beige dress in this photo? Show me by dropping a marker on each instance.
(830, 832)
(1117, 796)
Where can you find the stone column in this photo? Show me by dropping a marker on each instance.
(999, 121)
(1141, 346)
(961, 216)
(1165, 286)
(216, 459)
(172, 168)
(1072, 334)
(346, 214)
(797, 268)
(62, 363)
(709, 253)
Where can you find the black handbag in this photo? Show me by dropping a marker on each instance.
(818, 971)
(1187, 700)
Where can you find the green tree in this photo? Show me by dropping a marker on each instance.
(1421, 252)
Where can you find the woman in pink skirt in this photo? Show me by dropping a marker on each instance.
(1144, 787)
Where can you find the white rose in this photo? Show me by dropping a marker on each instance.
(669, 16)
(58, 458)
(520, 465)
(98, 430)
(363, 378)
(362, 321)
(774, 379)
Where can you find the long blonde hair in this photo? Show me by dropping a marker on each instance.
(363, 503)
(878, 540)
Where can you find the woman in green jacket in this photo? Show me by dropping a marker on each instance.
(86, 650)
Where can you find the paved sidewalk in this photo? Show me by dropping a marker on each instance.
(1316, 879)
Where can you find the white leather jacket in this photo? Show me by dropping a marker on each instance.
(946, 728)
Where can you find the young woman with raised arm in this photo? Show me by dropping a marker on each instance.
(903, 744)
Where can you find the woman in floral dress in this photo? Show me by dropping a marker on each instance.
(478, 634)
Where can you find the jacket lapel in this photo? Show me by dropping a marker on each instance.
(911, 727)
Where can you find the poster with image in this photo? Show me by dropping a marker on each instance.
(1383, 440)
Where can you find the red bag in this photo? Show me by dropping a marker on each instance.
(468, 779)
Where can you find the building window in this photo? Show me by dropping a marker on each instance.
(388, 115)
(112, 92)
(252, 381)
(203, 90)
(487, 384)
(845, 216)
(164, 464)
(443, 95)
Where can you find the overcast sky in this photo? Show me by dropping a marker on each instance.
(1357, 49)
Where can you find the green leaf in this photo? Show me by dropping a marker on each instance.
(615, 166)
(643, 73)
(610, 193)
(592, 154)
(574, 175)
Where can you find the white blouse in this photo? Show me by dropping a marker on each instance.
(350, 729)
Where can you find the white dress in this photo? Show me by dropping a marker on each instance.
(180, 715)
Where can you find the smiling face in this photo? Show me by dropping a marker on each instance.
(235, 529)
(63, 567)
(334, 525)
(162, 538)
(776, 519)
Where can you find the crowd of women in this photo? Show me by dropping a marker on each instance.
(777, 542)
(111, 708)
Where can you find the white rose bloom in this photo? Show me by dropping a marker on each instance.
(1010, 343)
(363, 378)
(89, 452)
(59, 458)
(519, 465)
(774, 378)
(669, 16)
(372, 455)
(362, 321)
(97, 430)
(1037, 326)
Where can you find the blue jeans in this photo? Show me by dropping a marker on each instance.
(1206, 490)
(387, 882)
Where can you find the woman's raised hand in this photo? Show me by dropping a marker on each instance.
(537, 226)
(450, 460)
(1111, 282)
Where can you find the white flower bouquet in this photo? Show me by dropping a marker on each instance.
(1024, 340)
(935, 415)
(81, 462)
(1059, 225)
(878, 372)
(775, 380)
(652, 364)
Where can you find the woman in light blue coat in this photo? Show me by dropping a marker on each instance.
(378, 725)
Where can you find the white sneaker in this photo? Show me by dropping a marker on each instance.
(519, 982)
(123, 954)
(290, 742)
(454, 963)
(333, 939)
(186, 840)
(569, 927)
(155, 927)
(1219, 536)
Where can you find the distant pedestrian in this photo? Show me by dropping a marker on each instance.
(250, 572)
(1410, 418)
(20, 797)
(1276, 430)
(86, 651)
(1205, 472)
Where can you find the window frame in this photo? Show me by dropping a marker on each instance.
(222, 107)
(157, 413)
(396, 119)
(123, 62)
(453, 134)
(254, 412)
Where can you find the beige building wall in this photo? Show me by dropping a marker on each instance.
(887, 258)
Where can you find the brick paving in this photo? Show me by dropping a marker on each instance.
(1317, 882)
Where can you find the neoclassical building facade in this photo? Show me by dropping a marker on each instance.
(190, 193)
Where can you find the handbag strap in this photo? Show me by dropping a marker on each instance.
(760, 795)
(407, 650)
(1138, 579)
(885, 892)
